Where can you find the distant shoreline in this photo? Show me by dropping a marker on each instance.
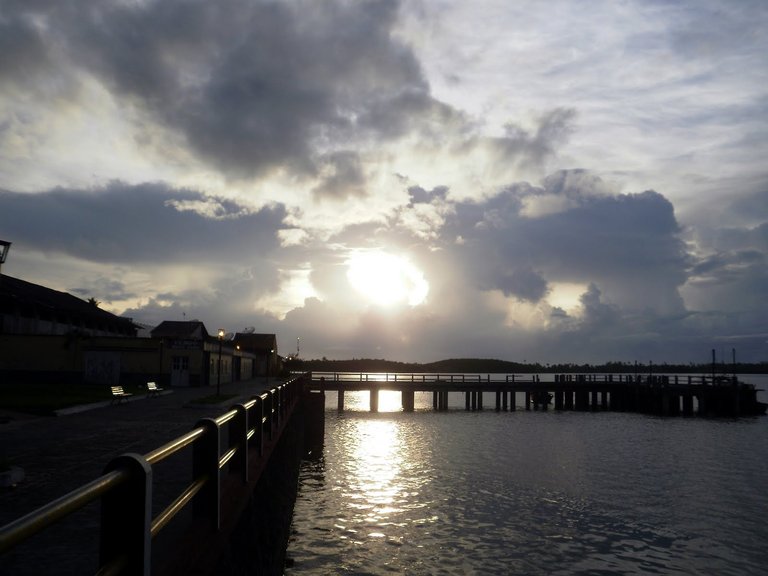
(492, 366)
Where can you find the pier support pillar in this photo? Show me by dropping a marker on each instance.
(527, 400)
(468, 401)
(314, 422)
(340, 401)
(374, 399)
(582, 400)
(674, 404)
(408, 400)
(498, 400)
(568, 401)
(687, 405)
(558, 399)
(504, 401)
(434, 400)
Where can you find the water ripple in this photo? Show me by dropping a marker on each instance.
(521, 493)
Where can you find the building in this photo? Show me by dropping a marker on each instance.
(27, 308)
(192, 357)
(264, 349)
(47, 335)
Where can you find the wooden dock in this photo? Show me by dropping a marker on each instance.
(654, 394)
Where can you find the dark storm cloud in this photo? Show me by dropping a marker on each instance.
(22, 49)
(753, 205)
(341, 177)
(724, 266)
(730, 273)
(531, 148)
(108, 290)
(523, 283)
(251, 85)
(733, 280)
(147, 223)
(419, 195)
(627, 244)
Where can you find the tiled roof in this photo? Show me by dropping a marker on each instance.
(192, 329)
(256, 342)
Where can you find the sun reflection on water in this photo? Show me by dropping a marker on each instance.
(389, 401)
(379, 488)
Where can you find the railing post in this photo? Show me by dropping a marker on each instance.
(270, 413)
(126, 517)
(205, 462)
(276, 406)
(258, 423)
(238, 437)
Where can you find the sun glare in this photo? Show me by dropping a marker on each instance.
(385, 279)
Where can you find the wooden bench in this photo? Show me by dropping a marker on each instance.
(153, 389)
(118, 394)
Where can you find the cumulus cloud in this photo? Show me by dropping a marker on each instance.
(222, 160)
(147, 223)
(628, 244)
(251, 86)
(341, 177)
(524, 283)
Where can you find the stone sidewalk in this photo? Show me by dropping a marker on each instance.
(60, 454)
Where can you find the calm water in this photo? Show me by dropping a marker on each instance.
(531, 493)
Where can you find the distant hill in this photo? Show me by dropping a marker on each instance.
(492, 366)
(479, 365)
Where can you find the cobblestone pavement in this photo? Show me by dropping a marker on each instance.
(59, 454)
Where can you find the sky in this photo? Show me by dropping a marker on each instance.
(561, 181)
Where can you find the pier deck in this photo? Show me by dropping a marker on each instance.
(654, 394)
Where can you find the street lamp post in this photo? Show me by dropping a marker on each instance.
(218, 375)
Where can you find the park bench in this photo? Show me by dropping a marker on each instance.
(118, 394)
(153, 389)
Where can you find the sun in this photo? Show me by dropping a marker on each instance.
(385, 279)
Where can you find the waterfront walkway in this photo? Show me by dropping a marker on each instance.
(59, 454)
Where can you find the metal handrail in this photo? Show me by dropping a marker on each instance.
(227, 457)
(169, 449)
(19, 530)
(226, 417)
(164, 518)
(276, 404)
(115, 567)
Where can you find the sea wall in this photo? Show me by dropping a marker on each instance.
(259, 541)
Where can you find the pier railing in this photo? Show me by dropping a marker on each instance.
(496, 378)
(127, 526)
(713, 395)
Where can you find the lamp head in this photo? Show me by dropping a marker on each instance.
(221, 333)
